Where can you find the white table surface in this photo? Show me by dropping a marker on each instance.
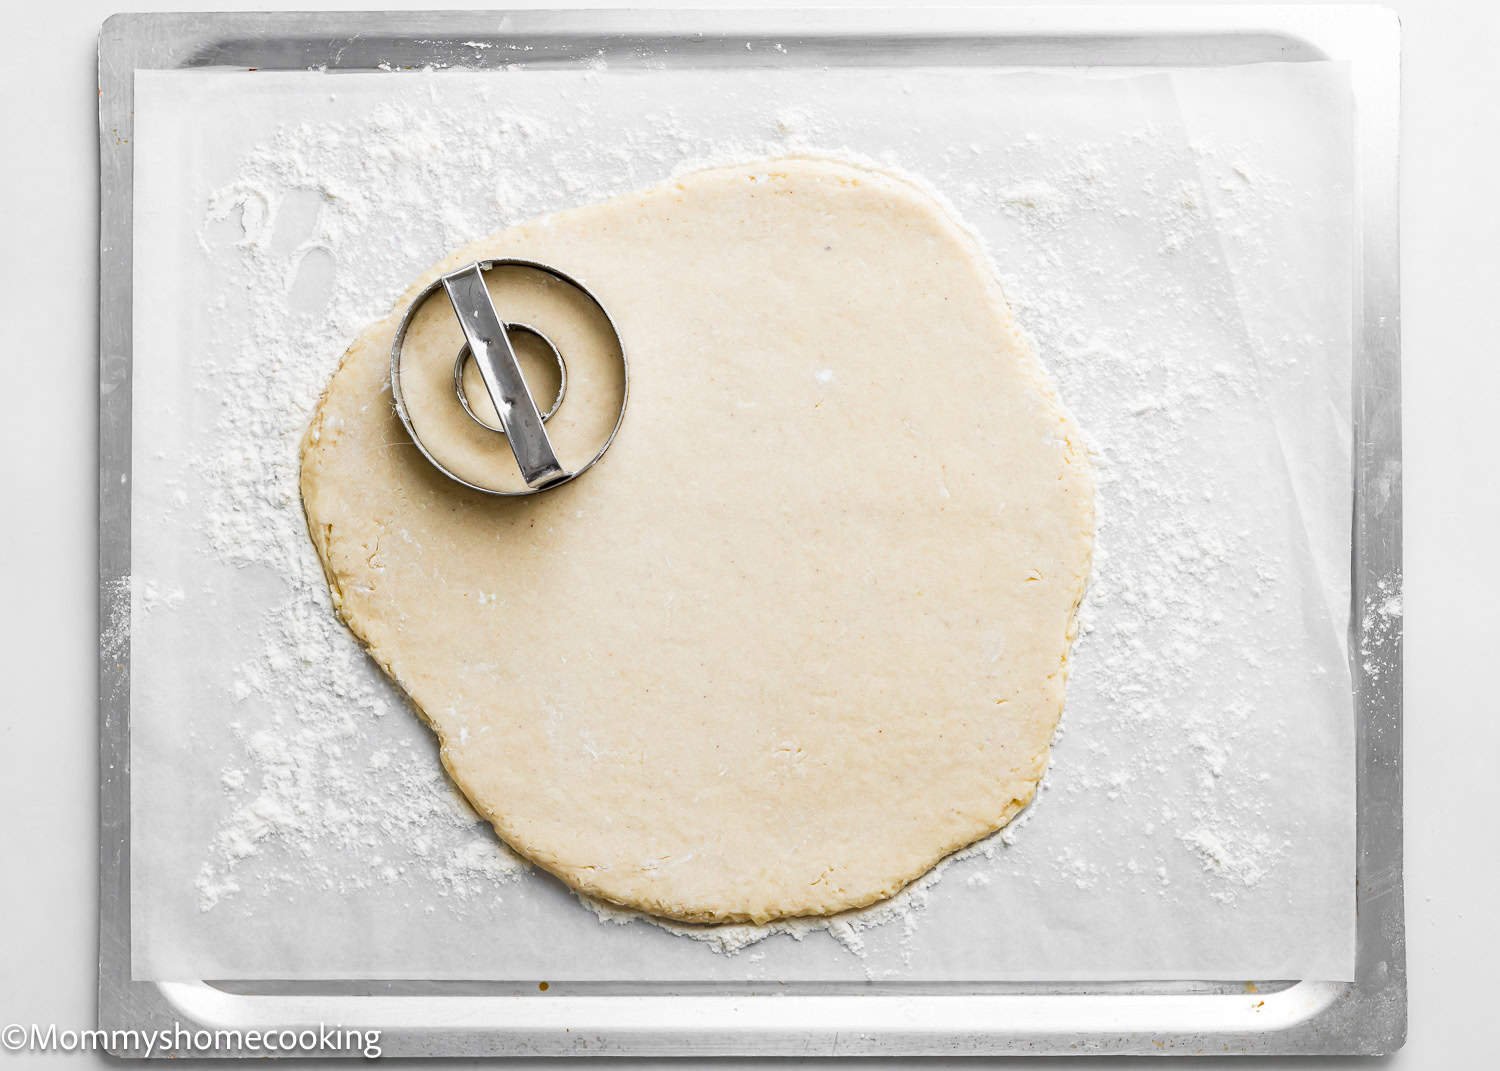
(48, 253)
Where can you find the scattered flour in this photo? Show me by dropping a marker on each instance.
(319, 794)
(1381, 628)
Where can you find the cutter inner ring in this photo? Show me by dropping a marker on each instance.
(464, 355)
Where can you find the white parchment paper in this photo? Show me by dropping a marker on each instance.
(1178, 243)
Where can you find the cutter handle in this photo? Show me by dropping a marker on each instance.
(490, 344)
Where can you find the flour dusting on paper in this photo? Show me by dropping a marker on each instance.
(322, 223)
(312, 188)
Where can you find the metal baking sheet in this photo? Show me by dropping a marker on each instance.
(616, 1018)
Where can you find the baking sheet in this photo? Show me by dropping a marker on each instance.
(1178, 243)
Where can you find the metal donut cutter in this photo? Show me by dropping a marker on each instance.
(488, 342)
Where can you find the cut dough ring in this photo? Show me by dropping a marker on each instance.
(512, 327)
(405, 416)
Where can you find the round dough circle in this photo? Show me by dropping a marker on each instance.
(804, 630)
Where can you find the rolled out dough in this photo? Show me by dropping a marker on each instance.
(804, 630)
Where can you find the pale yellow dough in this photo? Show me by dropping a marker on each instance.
(804, 630)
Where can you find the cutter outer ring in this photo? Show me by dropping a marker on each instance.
(398, 343)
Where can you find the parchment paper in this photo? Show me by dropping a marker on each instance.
(1179, 245)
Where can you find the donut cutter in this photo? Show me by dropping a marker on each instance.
(488, 343)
